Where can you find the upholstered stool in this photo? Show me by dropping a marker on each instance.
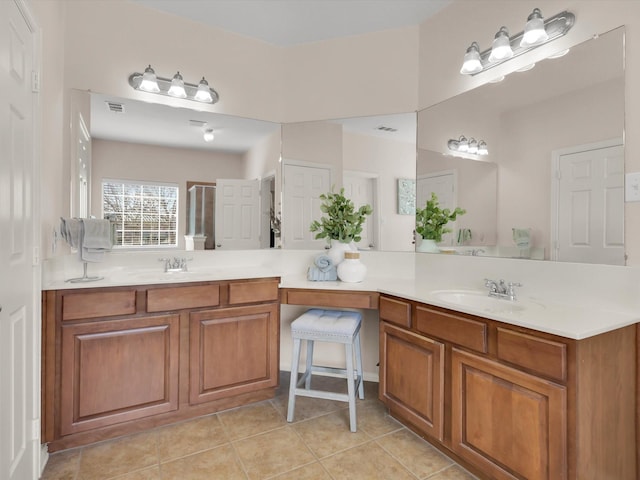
(336, 326)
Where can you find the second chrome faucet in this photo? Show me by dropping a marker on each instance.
(500, 289)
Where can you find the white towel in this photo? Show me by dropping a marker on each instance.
(522, 237)
(71, 231)
(95, 239)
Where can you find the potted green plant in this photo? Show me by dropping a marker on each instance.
(431, 223)
(341, 223)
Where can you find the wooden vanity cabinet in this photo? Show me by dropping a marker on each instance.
(516, 403)
(122, 359)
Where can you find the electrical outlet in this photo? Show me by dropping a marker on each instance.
(632, 187)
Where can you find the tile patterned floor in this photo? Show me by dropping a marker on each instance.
(255, 442)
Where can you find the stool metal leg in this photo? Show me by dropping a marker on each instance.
(295, 359)
(359, 366)
(351, 387)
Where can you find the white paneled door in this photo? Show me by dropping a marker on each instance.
(361, 189)
(237, 212)
(590, 214)
(19, 284)
(302, 186)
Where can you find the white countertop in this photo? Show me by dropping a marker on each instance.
(590, 300)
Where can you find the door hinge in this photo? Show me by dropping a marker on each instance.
(35, 81)
(36, 256)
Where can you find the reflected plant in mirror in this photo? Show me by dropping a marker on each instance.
(431, 224)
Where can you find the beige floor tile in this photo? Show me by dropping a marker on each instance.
(375, 421)
(152, 473)
(366, 462)
(330, 434)
(251, 420)
(314, 471)
(455, 472)
(307, 407)
(273, 453)
(220, 463)
(62, 465)
(186, 438)
(414, 453)
(117, 457)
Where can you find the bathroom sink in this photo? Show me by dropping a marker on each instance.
(482, 301)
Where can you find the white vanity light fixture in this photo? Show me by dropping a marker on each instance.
(537, 32)
(175, 87)
(471, 146)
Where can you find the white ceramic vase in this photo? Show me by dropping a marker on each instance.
(426, 245)
(336, 252)
(351, 269)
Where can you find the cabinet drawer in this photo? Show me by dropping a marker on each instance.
(395, 311)
(537, 355)
(98, 304)
(176, 298)
(330, 298)
(251, 292)
(461, 331)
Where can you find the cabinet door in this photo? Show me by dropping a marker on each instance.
(233, 351)
(412, 377)
(511, 424)
(118, 370)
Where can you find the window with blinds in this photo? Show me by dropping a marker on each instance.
(145, 214)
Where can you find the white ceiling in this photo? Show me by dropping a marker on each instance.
(293, 22)
(278, 22)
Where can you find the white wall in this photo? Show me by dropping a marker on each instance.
(390, 160)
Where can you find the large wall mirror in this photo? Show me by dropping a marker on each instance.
(228, 185)
(552, 184)
(373, 158)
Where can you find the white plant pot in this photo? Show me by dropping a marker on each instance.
(336, 252)
(426, 245)
(351, 269)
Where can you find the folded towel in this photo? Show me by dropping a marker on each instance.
(71, 231)
(323, 262)
(522, 237)
(316, 275)
(95, 239)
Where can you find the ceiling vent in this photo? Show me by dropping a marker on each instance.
(197, 123)
(115, 107)
(382, 128)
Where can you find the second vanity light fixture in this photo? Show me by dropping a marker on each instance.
(537, 31)
(472, 146)
(174, 87)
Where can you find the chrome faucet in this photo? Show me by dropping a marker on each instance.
(174, 265)
(474, 252)
(501, 289)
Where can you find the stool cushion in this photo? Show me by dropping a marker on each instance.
(330, 324)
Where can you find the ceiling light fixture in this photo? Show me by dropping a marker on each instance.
(175, 87)
(471, 146)
(208, 135)
(537, 32)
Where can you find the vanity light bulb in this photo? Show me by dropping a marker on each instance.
(149, 81)
(204, 93)
(534, 31)
(177, 87)
(472, 62)
(482, 148)
(208, 135)
(501, 49)
(473, 146)
(463, 144)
